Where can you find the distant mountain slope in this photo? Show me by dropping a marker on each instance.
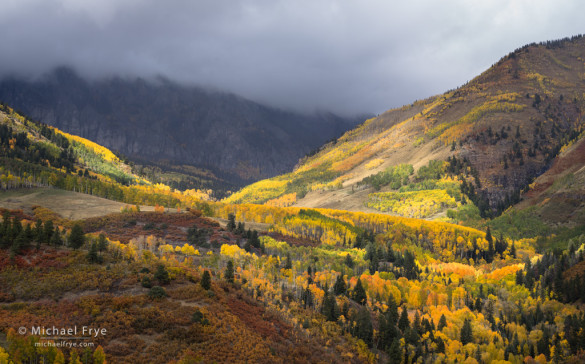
(505, 128)
(167, 124)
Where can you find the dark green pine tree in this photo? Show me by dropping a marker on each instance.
(206, 280)
(102, 242)
(395, 353)
(392, 310)
(339, 287)
(488, 236)
(162, 275)
(359, 293)
(466, 335)
(307, 298)
(18, 244)
(348, 261)
(231, 224)
(47, 232)
(56, 238)
(388, 331)
(478, 355)
(416, 323)
(28, 233)
(92, 255)
(403, 322)
(440, 345)
(76, 238)
(38, 233)
(288, 262)
(411, 336)
(254, 240)
(5, 231)
(329, 308)
(240, 229)
(16, 228)
(364, 328)
(229, 272)
(442, 323)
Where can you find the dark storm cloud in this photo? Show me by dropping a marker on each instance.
(345, 56)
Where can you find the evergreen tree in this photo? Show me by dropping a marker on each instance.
(364, 328)
(359, 293)
(416, 323)
(307, 298)
(162, 275)
(339, 287)
(229, 271)
(329, 308)
(240, 229)
(488, 235)
(288, 262)
(5, 231)
(76, 238)
(47, 232)
(403, 322)
(440, 345)
(16, 228)
(28, 234)
(92, 255)
(56, 238)
(442, 323)
(411, 336)
(102, 243)
(348, 261)
(392, 310)
(478, 354)
(519, 277)
(466, 335)
(394, 353)
(231, 225)
(206, 280)
(254, 240)
(388, 331)
(18, 244)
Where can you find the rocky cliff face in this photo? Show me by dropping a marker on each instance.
(160, 121)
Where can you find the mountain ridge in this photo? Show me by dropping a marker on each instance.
(170, 125)
(508, 124)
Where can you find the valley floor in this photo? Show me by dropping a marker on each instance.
(70, 205)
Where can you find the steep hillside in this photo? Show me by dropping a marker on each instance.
(504, 128)
(174, 127)
(559, 193)
(26, 141)
(34, 154)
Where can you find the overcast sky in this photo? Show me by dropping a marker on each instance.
(345, 56)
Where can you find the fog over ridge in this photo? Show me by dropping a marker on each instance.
(343, 56)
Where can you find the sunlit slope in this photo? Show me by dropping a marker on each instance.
(33, 154)
(44, 145)
(509, 123)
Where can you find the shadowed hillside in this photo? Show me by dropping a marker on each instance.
(176, 127)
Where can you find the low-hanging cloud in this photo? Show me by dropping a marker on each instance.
(347, 56)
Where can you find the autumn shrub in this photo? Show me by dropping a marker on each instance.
(146, 283)
(157, 292)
